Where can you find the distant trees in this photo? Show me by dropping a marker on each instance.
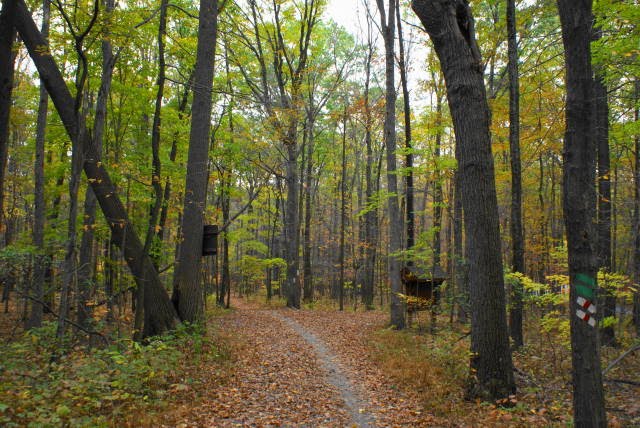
(284, 143)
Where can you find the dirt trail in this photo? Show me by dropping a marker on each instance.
(355, 406)
(300, 368)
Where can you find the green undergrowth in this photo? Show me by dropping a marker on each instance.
(45, 383)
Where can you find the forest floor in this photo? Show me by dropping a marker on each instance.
(301, 368)
(329, 368)
(264, 365)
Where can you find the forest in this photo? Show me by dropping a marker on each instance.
(320, 213)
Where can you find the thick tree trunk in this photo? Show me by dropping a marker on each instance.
(450, 27)
(388, 27)
(160, 315)
(517, 238)
(190, 302)
(579, 199)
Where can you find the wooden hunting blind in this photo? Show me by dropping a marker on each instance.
(422, 286)
(210, 240)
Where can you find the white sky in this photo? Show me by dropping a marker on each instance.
(346, 13)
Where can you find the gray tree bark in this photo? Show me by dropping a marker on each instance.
(388, 28)
(517, 238)
(608, 302)
(188, 296)
(7, 60)
(39, 214)
(579, 197)
(450, 26)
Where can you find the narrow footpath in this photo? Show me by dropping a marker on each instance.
(301, 368)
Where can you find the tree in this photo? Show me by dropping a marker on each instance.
(517, 238)
(188, 295)
(450, 26)
(159, 314)
(387, 27)
(579, 198)
(7, 59)
(604, 194)
(35, 319)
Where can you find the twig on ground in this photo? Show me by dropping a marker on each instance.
(620, 358)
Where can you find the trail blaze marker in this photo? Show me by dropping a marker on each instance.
(585, 286)
(586, 317)
(586, 304)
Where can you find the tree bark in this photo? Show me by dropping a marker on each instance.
(517, 238)
(371, 216)
(90, 202)
(601, 120)
(409, 200)
(449, 24)
(343, 210)
(388, 28)
(636, 215)
(579, 198)
(37, 309)
(160, 315)
(189, 297)
(7, 60)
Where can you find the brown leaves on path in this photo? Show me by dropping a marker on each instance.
(300, 368)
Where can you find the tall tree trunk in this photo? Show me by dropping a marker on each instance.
(160, 315)
(70, 278)
(292, 224)
(343, 211)
(156, 164)
(7, 61)
(410, 214)
(371, 215)
(608, 302)
(37, 309)
(225, 285)
(388, 28)
(579, 199)
(90, 203)
(189, 302)
(636, 215)
(438, 197)
(450, 26)
(517, 238)
(306, 254)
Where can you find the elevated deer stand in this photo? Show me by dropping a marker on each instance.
(422, 289)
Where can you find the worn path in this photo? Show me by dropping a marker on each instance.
(301, 368)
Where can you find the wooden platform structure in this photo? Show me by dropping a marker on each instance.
(422, 287)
